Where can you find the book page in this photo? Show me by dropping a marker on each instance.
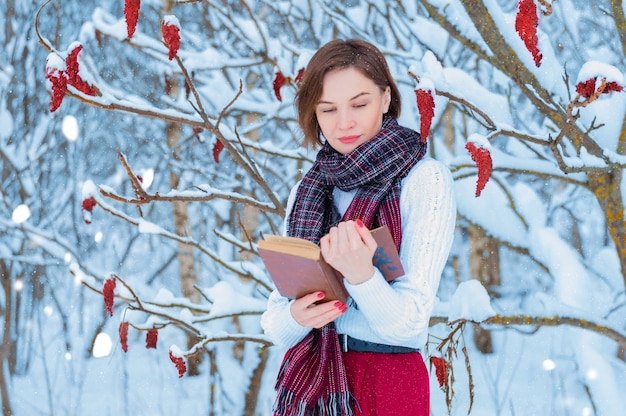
(290, 245)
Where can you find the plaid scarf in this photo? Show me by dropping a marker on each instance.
(312, 379)
(376, 168)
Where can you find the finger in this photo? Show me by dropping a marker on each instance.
(327, 319)
(366, 235)
(332, 240)
(316, 316)
(303, 309)
(325, 243)
(307, 300)
(328, 312)
(347, 234)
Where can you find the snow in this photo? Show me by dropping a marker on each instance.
(595, 69)
(479, 140)
(6, 122)
(90, 190)
(424, 28)
(470, 302)
(176, 351)
(148, 227)
(565, 267)
(116, 28)
(69, 127)
(426, 85)
(21, 213)
(506, 226)
(599, 372)
(171, 20)
(529, 205)
(54, 62)
(461, 84)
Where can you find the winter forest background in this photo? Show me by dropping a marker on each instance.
(157, 175)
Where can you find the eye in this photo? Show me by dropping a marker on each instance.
(359, 105)
(327, 110)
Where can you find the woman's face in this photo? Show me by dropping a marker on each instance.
(350, 110)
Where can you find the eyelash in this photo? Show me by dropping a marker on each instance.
(354, 106)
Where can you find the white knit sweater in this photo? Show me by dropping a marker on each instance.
(397, 313)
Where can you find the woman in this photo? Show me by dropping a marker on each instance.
(363, 357)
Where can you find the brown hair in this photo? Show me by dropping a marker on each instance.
(341, 54)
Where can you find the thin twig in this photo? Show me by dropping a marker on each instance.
(132, 292)
(241, 159)
(223, 112)
(490, 124)
(42, 41)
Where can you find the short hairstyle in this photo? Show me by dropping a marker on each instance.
(341, 54)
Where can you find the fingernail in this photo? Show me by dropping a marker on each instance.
(320, 295)
(359, 222)
(340, 306)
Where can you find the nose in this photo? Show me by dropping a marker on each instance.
(345, 120)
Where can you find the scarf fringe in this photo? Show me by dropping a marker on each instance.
(339, 404)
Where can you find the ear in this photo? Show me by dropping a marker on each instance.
(386, 99)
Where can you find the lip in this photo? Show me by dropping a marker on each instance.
(349, 139)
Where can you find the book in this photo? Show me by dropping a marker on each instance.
(297, 267)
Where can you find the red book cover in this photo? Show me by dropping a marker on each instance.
(297, 267)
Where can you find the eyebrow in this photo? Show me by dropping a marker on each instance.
(353, 98)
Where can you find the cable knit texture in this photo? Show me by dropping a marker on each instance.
(397, 313)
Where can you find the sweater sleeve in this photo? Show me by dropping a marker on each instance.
(400, 312)
(277, 322)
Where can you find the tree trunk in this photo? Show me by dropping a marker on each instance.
(484, 267)
(186, 261)
(250, 223)
(5, 350)
(252, 395)
(605, 185)
(606, 188)
(185, 255)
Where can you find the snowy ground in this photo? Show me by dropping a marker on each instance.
(528, 374)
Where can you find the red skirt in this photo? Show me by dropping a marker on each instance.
(388, 384)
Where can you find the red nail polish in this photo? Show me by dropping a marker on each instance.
(320, 295)
(340, 305)
(359, 222)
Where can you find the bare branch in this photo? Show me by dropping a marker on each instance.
(223, 112)
(132, 292)
(241, 159)
(142, 197)
(189, 241)
(539, 321)
(42, 41)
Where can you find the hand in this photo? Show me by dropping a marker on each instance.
(349, 248)
(311, 315)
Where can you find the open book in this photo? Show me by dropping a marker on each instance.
(297, 268)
